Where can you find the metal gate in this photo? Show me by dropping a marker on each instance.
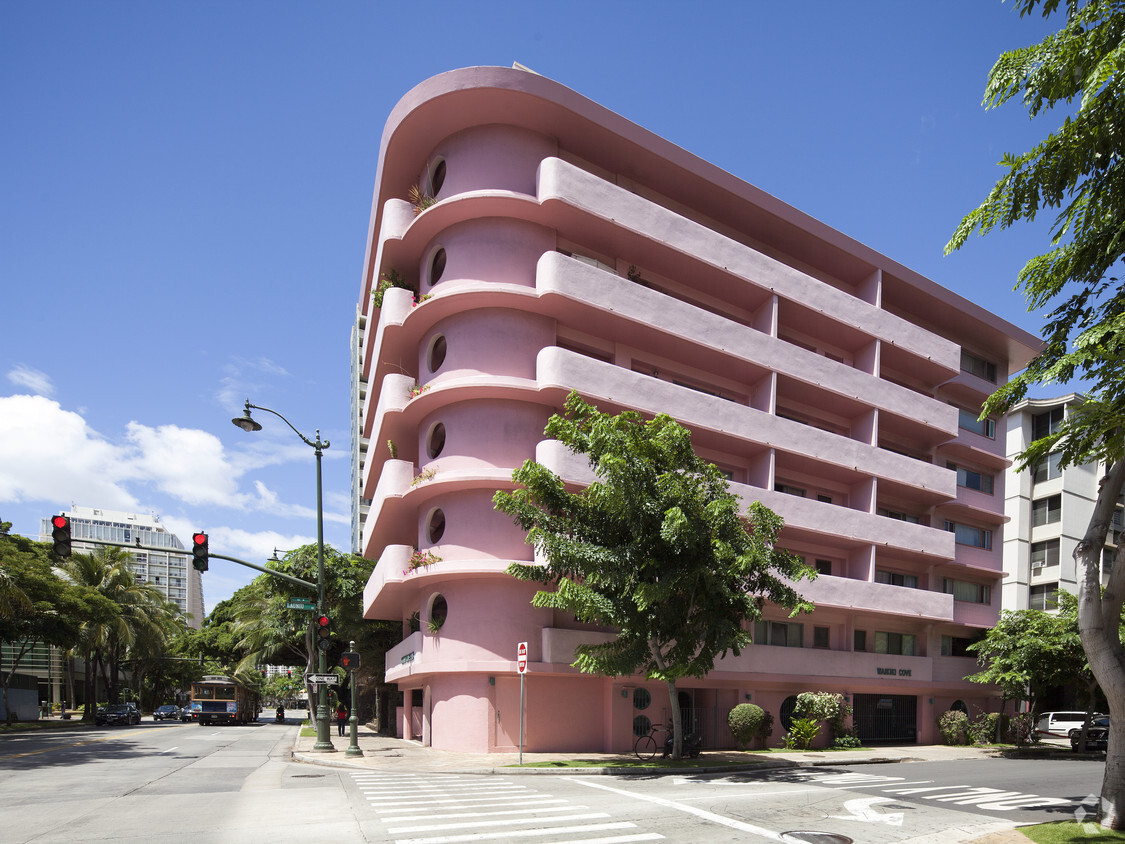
(886, 718)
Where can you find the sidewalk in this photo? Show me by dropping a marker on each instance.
(398, 754)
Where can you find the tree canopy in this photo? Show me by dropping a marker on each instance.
(1078, 171)
(655, 549)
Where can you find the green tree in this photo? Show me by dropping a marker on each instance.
(270, 632)
(1026, 653)
(38, 607)
(1078, 172)
(104, 641)
(656, 549)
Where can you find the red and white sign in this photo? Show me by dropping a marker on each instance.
(521, 657)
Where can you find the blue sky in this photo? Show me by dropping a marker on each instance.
(185, 191)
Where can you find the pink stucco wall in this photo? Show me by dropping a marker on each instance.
(797, 357)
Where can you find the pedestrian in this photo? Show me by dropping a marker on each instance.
(341, 718)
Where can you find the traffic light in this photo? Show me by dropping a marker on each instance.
(60, 535)
(199, 551)
(323, 632)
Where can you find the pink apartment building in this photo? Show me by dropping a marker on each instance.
(569, 249)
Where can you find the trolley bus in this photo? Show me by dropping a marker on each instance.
(222, 700)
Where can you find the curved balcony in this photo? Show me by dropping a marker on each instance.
(612, 388)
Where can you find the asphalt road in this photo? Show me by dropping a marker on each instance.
(173, 782)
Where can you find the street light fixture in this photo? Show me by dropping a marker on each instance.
(247, 423)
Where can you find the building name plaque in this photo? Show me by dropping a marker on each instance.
(893, 672)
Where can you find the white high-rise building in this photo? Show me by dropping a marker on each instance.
(1048, 509)
(169, 571)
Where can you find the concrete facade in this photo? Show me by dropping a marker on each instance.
(568, 249)
(1048, 509)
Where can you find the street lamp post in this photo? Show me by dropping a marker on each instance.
(247, 423)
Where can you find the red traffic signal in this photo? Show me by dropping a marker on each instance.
(349, 660)
(323, 626)
(60, 535)
(199, 551)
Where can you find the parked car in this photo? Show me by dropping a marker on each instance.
(119, 713)
(1097, 734)
(1060, 724)
(190, 712)
(167, 711)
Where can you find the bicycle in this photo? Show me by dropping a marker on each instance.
(646, 745)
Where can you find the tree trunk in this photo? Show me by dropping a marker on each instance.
(1099, 622)
(91, 702)
(677, 721)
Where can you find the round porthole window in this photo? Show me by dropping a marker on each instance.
(437, 440)
(435, 529)
(641, 699)
(437, 352)
(437, 265)
(641, 725)
(439, 610)
(437, 177)
(786, 713)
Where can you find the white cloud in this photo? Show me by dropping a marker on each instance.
(252, 546)
(32, 379)
(184, 462)
(50, 454)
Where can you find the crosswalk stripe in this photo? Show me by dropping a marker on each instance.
(589, 816)
(488, 836)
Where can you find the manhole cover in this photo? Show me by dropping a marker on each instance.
(813, 837)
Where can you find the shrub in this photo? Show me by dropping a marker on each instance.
(801, 733)
(847, 741)
(745, 721)
(954, 727)
(1021, 728)
(827, 706)
(982, 730)
(766, 730)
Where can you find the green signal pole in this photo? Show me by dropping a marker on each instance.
(353, 722)
(247, 423)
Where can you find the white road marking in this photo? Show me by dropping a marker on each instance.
(691, 810)
(490, 836)
(861, 810)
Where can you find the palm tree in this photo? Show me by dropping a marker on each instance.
(108, 571)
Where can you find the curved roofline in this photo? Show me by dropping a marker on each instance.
(474, 96)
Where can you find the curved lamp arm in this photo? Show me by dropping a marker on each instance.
(247, 423)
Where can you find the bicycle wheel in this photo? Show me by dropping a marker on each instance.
(645, 748)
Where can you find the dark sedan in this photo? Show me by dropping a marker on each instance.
(120, 713)
(1097, 734)
(167, 711)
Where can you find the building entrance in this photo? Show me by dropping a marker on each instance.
(886, 718)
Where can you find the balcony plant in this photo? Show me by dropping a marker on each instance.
(420, 199)
(391, 278)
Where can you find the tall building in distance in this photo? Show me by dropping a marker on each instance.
(551, 245)
(1048, 511)
(170, 570)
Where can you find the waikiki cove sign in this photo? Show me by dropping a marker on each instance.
(892, 672)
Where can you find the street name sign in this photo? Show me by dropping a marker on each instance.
(300, 604)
